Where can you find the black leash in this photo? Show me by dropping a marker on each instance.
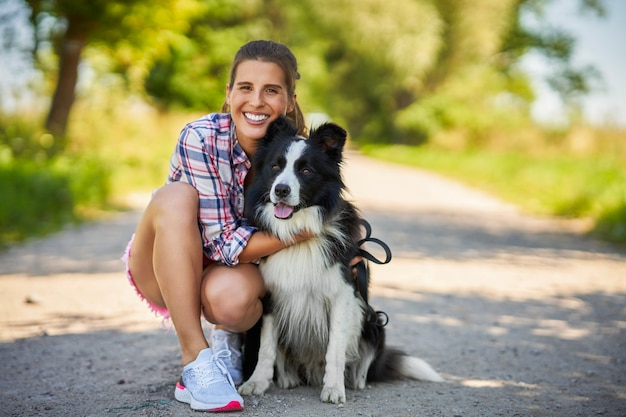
(368, 238)
(362, 271)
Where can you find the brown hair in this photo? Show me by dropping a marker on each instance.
(279, 54)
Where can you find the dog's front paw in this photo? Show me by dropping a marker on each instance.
(252, 387)
(333, 395)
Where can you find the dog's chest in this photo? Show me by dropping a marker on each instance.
(302, 268)
(304, 285)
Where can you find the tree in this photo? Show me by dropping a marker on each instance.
(191, 72)
(391, 71)
(458, 63)
(553, 43)
(133, 27)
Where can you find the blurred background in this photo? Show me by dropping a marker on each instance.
(523, 98)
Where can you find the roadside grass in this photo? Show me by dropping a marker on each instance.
(111, 153)
(559, 184)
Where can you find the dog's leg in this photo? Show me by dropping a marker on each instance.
(286, 375)
(343, 322)
(263, 374)
(363, 365)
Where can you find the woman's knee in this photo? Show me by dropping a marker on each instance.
(177, 201)
(231, 296)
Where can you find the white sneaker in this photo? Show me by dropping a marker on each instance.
(223, 341)
(206, 385)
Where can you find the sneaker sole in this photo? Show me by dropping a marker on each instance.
(184, 396)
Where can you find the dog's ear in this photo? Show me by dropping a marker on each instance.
(281, 127)
(331, 138)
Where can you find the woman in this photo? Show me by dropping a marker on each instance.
(192, 252)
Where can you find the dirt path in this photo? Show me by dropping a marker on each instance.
(522, 316)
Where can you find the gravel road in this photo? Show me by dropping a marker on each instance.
(523, 316)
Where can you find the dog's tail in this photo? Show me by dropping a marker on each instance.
(395, 364)
(416, 368)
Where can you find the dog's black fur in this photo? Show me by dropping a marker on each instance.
(317, 315)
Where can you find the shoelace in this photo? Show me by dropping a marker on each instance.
(219, 356)
(220, 343)
(209, 369)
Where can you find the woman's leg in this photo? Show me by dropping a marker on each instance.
(231, 296)
(231, 299)
(166, 262)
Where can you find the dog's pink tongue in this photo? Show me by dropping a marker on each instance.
(282, 211)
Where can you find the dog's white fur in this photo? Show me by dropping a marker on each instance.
(310, 291)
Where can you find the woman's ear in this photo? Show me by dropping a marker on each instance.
(228, 94)
(292, 104)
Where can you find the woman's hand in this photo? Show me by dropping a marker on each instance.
(355, 260)
(302, 236)
(264, 243)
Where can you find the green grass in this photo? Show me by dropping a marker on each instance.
(564, 185)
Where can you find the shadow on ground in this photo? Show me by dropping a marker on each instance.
(481, 236)
(501, 358)
(96, 248)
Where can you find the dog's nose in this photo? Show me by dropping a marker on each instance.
(282, 190)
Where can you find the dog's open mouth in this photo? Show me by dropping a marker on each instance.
(283, 211)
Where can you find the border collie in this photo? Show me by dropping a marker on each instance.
(317, 327)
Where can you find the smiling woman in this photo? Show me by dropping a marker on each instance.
(183, 272)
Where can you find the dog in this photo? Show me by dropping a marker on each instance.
(317, 326)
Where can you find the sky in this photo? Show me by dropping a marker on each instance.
(599, 42)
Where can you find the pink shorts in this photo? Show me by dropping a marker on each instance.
(157, 309)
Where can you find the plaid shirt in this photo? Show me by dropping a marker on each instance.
(208, 157)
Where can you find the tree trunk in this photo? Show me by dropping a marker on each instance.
(63, 99)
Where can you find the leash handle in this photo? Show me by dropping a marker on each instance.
(368, 238)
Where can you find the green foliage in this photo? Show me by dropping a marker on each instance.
(20, 138)
(611, 225)
(392, 72)
(375, 62)
(191, 72)
(41, 193)
(132, 140)
(553, 43)
(34, 201)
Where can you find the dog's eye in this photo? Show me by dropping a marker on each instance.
(306, 171)
(275, 167)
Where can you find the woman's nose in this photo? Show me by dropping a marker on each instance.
(257, 99)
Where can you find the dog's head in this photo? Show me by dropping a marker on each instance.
(292, 173)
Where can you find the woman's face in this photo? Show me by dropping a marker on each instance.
(258, 96)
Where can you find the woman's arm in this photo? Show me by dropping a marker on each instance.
(263, 244)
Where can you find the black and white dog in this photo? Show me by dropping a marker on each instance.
(318, 327)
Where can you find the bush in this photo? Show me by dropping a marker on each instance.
(34, 201)
(42, 193)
